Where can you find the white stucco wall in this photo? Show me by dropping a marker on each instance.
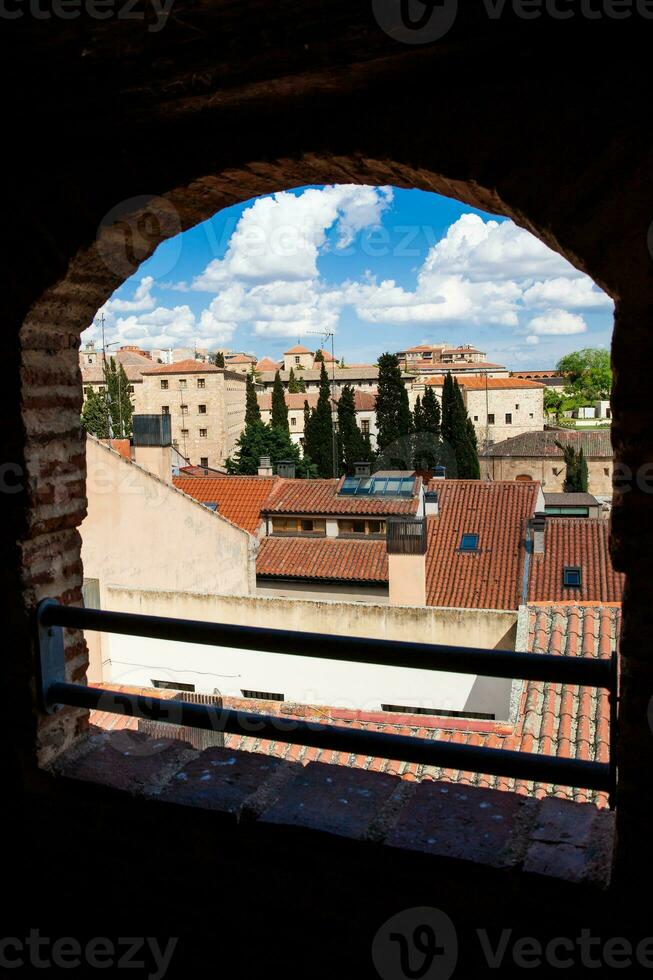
(131, 660)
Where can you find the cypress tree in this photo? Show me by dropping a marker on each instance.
(418, 416)
(252, 410)
(293, 386)
(431, 415)
(393, 416)
(95, 415)
(319, 356)
(119, 399)
(259, 439)
(279, 407)
(352, 444)
(459, 450)
(219, 359)
(318, 433)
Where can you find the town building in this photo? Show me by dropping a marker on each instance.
(361, 377)
(133, 360)
(536, 456)
(240, 361)
(206, 405)
(498, 407)
(364, 402)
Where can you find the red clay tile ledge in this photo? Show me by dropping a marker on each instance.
(549, 837)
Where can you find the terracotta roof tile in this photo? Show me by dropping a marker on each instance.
(323, 558)
(537, 444)
(580, 542)
(491, 577)
(239, 498)
(189, 366)
(298, 349)
(480, 382)
(321, 497)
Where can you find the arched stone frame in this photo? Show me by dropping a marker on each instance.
(570, 204)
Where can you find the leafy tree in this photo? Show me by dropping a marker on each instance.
(589, 373)
(95, 415)
(553, 403)
(279, 407)
(318, 430)
(259, 439)
(431, 413)
(427, 437)
(118, 399)
(252, 410)
(218, 359)
(418, 415)
(576, 476)
(393, 416)
(319, 356)
(293, 387)
(352, 443)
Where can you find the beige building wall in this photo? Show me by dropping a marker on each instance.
(361, 686)
(407, 580)
(207, 411)
(549, 471)
(525, 406)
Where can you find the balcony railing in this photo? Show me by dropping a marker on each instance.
(53, 618)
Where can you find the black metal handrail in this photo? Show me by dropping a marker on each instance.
(601, 673)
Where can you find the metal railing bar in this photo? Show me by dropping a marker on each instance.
(508, 664)
(450, 755)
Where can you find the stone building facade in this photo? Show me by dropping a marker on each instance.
(206, 405)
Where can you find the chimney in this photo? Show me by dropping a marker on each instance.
(406, 546)
(362, 469)
(151, 436)
(286, 469)
(431, 503)
(265, 466)
(538, 523)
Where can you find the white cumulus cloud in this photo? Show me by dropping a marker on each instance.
(556, 323)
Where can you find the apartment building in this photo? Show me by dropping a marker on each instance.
(364, 402)
(133, 360)
(206, 405)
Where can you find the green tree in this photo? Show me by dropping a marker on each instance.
(279, 407)
(293, 387)
(319, 356)
(259, 439)
(588, 372)
(432, 416)
(393, 416)
(427, 437)
(252, 410)
(353, 446)
(418, 416)
(553, 403)
(218, 359)
(95, 415)
(576, 475)
(118, 399)
(318, 431)
(459, 450)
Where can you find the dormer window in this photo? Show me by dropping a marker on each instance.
(572, 577)
(469, 542)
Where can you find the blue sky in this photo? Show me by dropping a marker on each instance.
(383, 268)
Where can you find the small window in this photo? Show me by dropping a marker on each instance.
(164, 385)
(184, 409)
(572, 577)
(173, 686)
(476, 418)
(263, 695)
(202, 409)
(165, 410)
(293, 420)
(296, 359)
(184, 432)
(517, 407)
(306, 525)
(530, 415)
(359, 527)
(490, 419)
(365, 427)
(203, 433)
(182, 382)
(204, 460)
(508, 418)
(131, 389)
(469, 542)
(376, 527)
(201, 383)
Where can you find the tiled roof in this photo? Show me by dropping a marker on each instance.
(323, 558)
(351, 373)
(121, 446)
(267, 364)
(321, 497)
(240, 359)
(364, 401)
(325, 354)
(537, 444)
(550, 719)
(298, 349)
(490, 578)
(134, 363)
(580, 542)
(189, 366)
(239, 498)
(456, 367)
(534, 374)
(480, 382)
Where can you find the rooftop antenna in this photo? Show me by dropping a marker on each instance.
(325, 334)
